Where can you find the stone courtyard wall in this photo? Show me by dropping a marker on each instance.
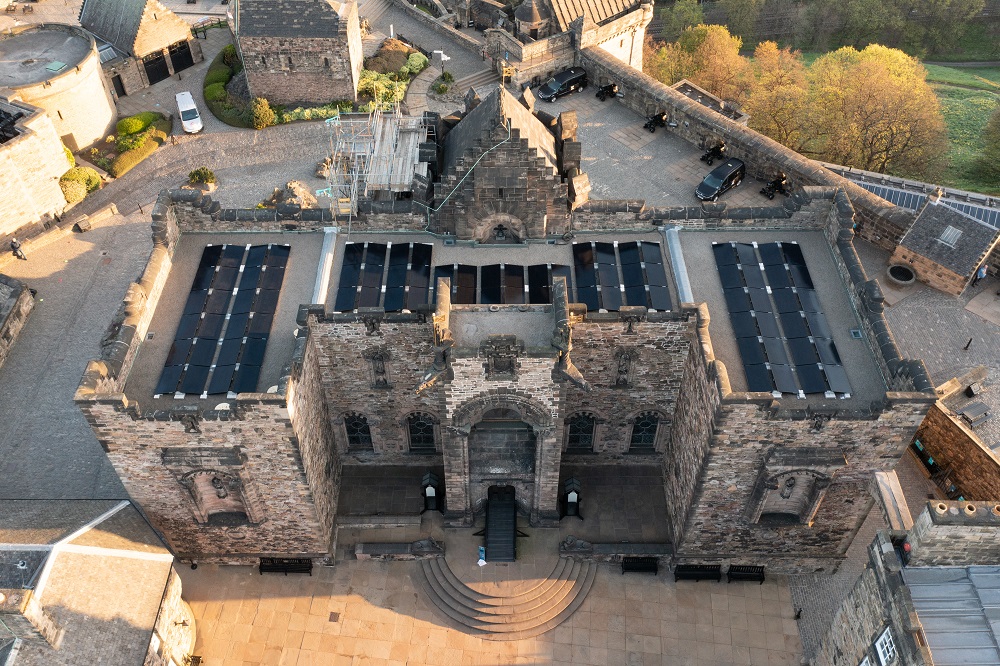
(955, 534)
(16, 303)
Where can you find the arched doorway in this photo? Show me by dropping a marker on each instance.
(502, 447)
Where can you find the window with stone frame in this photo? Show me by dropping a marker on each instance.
(580, 433)
(218, 497)
(644, 428)
(359, 434)
(420, 428)
(886, 648)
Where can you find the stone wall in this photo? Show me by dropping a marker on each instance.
(930, 272)
(955, 534)
(131, 73)
(307, 71)
(973, 467)
(879, 599)
(76, 99)
(159, 28)
(879, 221)
(30, 167)
(16, 303)
(622, 38)
(176, 637)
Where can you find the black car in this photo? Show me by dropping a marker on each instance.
(563, 83)
(724, 177)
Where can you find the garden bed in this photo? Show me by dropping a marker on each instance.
(137, 138)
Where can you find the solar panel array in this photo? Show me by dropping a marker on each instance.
(782, 333)
(913, 201)
(502, 284)
(395, 276)
(609, 275)
(222, 335)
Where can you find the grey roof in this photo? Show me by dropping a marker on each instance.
(288, 18)
(530, 12)
(964, 254)
(959, 609)
(566, 11)
(115, 21)
(492, 113)
(44, 522)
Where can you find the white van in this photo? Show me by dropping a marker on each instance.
(190, 119)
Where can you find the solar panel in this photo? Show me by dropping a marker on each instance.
(768, 324)
(205, 273)
(809, 300)
(800, 276)
(168, 379)
(784, 378)
(737, 300)
(811, 378)
(260, 325)
(803, 351)
(418, 275)
(266, 301)
(629, 254)
(775, 350)
(538, 284)
(651, 253)
(659, 297)
(827, 350)
(218, 301)
(633, 276)
(257, 253)
(371, 275)
(277, 255)
(911, 200)
(751, 350)
(178, 353)
(770, 254)
(744, 324)
(444, 271)
(245, 378)
(211, 326)
(350, 274)
(229, 352)
(785, 300)
(793, 325)
(465, 281)
(777, 276)
(222, 379)
(195, 303)
(253, 351)
(793, 254)
(237, 326)
(513, 284)
(202, 353)
(188, 326)
(988, 216)
(225, 278)
(232, 256)
(730, 275)
(836, 376)
(758, 378)
(491, 290)
(753, 276)
(251, 277)
(271, 277)
(725, 254)
(558, 270)
(818, 327)
(747, 254)
(761, 300)
(194, 379)
(638, 296)
(607, 270)
(585, 275)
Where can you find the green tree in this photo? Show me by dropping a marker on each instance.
(991, 147)
(778, 102)
(261, 114)
(742, 16)
(718, 66)
(682, 14)
(875, 111)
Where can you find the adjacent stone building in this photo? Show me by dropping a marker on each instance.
(141, 42)
(299, 51)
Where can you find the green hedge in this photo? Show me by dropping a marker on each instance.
(129, 125)
(84, 175)
(153, 140)
(230, 111)
(215, 92)
(218, 75)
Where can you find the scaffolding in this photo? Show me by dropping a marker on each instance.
(371, 153)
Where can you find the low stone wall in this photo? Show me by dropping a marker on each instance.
(444, 28)
(956, 534)
(16, 303)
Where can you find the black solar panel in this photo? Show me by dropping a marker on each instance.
(586, 275)
(761, 300)
(465, 281)
(633, 276)
(491, 289)
(803, 351)
(372, 270)
(194, 379)
(770, 254)
(811, 378)
(818, 327)
(777, 275)
(513, 284)
(744, 324)
(222, 379)
(793, 254)
(257, 253)
(277, 255)
(188, 326)
(629, 254)
(229, 352)
(737, 300)
(837, 378)
(784, 379)
(444, 271)
(168, 379)
(659, 297)
(195, 303)
(758, 378)
(754, 277)
(731, 276)
(232, 256)
(767, 322)
(793, 325)
(751, 350)
(202, 353)
(725, 254)
(178, 353)
(211, 326)
(538, 284)
(800, 276)
(651, 253)
(785, 300)
(253, 351)
(637, 296)
(775, 350)
(271, 277)
(828, 354)
(266, 301)
(809, 300)
(607, 270)
(237, 326)
(260, 325)
(245, 379)
(218, 302)
(747, 254)
(250, 277)
(225, 278)
(418, 275)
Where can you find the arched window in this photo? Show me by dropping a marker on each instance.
(359, 435)
(580, 433)
(420, 428)
(644, 428)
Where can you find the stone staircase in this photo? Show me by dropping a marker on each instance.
(476, 80)
(537, 607)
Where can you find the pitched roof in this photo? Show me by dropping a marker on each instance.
(288, 18)
(567, 11)
(135, 27)
(492, 113)
(950, 238)
(531, 11)
(44, 522)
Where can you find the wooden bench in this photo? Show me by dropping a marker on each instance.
(27, 9)
(745, 572)
(640, 565)
(698, 572)
(10, 9)
(285, 565)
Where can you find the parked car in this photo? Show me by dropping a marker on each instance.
(724, 177)
(190, 118)
(563, 83)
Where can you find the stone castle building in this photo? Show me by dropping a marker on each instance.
(141, 42)
(299, 51)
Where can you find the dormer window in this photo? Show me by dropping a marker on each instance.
(950, 236)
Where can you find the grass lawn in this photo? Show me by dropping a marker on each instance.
(983, 78)
(966, 113)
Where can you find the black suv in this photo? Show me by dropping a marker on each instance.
(724, 177)
(563, 83)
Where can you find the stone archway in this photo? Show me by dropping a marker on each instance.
(500, 228)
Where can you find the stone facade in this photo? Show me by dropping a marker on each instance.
(30, 166)
(971, 466)
(290, 62)
(16, 302)
(174, 629)
(878, 601)
(76, 99)
(955, 534)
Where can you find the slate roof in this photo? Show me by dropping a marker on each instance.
(567, 11)
(530, 11)
(44, 522)
(956, 607)
(288, 18)
(493, 112)
(120, 22)
(923, 238)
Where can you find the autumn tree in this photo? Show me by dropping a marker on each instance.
(778, 102)
(717, 64)
(667, 63)
(682, 14)
(742, 16)
(873, 109)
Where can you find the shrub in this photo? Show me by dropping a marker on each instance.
(127, 142)
(129, 125)
(83, 175)
(441, 88)
(155, 138)
(69, 156)
(73, 190)
(416, 63)
(215, 92)
(229, 54)
(447, 77)
(148, 118)
(202, 175)
(218, 75)
(261, 114)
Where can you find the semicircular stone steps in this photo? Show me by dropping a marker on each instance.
(535, 608)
